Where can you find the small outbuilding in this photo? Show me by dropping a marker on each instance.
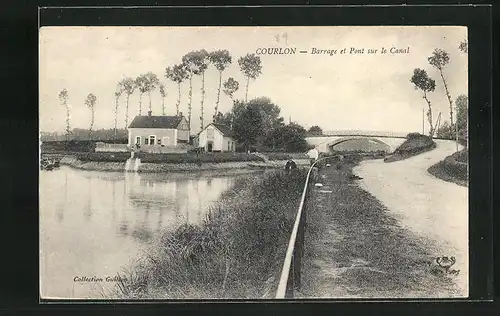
(215, 138)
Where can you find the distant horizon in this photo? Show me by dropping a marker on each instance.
(369, 92)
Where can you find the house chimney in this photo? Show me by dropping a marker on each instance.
(180, 113)
(149, 113)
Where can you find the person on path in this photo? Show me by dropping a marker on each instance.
(313, 155)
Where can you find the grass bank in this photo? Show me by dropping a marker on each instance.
(453, 168)
(414, 144)
(236, 252)
(355, 249)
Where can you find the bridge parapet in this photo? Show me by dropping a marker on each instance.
(323, 143)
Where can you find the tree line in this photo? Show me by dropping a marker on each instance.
(192, 64)
(423, 82)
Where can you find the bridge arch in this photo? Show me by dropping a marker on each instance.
(379, 144)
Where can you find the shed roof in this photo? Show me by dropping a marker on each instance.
(224, 129)
(146, 121)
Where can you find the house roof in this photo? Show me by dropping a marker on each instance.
(146, 121)
(224, 129)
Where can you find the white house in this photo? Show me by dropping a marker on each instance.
(158, 133)
(215, 137)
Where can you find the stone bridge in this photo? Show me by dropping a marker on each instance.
(386, 141)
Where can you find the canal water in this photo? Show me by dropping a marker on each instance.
(93, 224)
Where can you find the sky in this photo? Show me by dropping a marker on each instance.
(339, 92)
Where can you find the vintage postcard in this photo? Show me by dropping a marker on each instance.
(253, 162)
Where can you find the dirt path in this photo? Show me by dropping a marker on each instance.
(358, 248)
(424, 204)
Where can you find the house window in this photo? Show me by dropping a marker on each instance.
(138, 140)
(159, 141)
(152, 139)
(210, 133)
(146, 141)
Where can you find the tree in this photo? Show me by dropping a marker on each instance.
(445, 131)
(247, 126)
(422, 81)
(221, 60)
(230, 87)
(462, 109)
(90, 102)
(151, 82)
(315, 131)
(141, 84)
(128, 86)
(251, 67)
(201, 61)
(193, 62)
(439, 60)
(163, 94)
(288, 138)
(177, 73)
(63, 97)
(118, 93)
(464, 46)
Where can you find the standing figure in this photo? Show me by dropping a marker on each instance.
(313, 155)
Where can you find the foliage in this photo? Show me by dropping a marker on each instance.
(67, 146)
(127, 85)
(421, 81)
(446, 131)
(453, 168)
(439, 58)
(247, 125)
(163, 94)
(414, 144)
(464, 47)
(221, 59)
(63, 98)
(236, 252)
(289, 138)
(315, 131)
(79, 134)
(196, 158)
(90, 102)
(462, 105)
(251, 67)
(230, 87)
(177, 73)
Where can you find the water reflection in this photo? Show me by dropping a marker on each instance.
(93, 223)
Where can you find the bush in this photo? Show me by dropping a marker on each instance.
(278, 156)
(196, 158)
(452, 169)
(415, 144)
(103, 156)
(70, 146)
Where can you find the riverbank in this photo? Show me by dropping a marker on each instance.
(236, 252)
(356, 248)
(415, 144)
(147, 167)
(453, 168)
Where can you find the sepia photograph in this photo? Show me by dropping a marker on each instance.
(242, 163)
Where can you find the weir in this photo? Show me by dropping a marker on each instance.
(132, 164)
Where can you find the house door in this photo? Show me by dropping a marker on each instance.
(210, 146)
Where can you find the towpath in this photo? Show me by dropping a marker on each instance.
(378, 237)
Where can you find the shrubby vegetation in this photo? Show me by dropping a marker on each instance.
(196, 158)
(453, 168)
(414, 144)
(236, 252)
